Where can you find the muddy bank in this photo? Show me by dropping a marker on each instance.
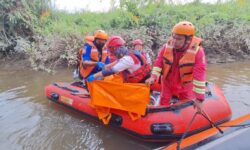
(227, 43)
(49, 39)
(223, 43)
(18, 61)
(24, 62)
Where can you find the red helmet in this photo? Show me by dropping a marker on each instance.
(137, 42)
(115, 42)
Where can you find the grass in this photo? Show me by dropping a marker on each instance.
(223, 26)
(163, 16)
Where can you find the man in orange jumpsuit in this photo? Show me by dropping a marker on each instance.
(183, 66)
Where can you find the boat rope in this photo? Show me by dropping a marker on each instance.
(203, 113)
(216, 126)
(185, 133)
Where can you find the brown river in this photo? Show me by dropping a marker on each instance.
(28, 120)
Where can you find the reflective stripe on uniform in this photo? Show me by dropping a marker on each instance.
(199, 83)
(156, 70)
(155, 73)
(199, 90)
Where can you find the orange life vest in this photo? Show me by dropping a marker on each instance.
(141, 73)
(186, 63)
(86, 70)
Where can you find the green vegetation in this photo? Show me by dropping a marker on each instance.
(47, 35)
(18, 19)
(129, 16)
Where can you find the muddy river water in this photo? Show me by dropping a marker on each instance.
(28, 120)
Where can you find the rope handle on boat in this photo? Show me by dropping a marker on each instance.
(65, 88)
(74, 92)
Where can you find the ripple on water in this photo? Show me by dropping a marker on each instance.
(16, 119)
(28, 125)
(57, 130)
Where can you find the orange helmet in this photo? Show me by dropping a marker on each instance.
(137, 42)
(100, 34)
(184, 28)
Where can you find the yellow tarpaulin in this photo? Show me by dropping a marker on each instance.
(130, 97)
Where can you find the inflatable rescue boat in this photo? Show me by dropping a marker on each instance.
(160, 123)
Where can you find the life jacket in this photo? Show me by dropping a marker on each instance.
(186, 63)
(94, 56)
(141, 73)
(145, 56)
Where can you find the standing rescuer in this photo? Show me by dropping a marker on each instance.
(183, 66)
(93, 56)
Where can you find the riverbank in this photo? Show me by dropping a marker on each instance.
(23, 62)
(49, 39)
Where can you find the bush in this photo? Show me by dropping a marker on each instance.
(52, 37)
(19, 20)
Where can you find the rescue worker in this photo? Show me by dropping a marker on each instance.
(133, 68)
(94, 56)
(138, 50)
(182, 62)
(113, 44)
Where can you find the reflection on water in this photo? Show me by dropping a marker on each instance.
(29, 121)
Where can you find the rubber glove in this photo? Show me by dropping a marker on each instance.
(91, 78)
(100, 65)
